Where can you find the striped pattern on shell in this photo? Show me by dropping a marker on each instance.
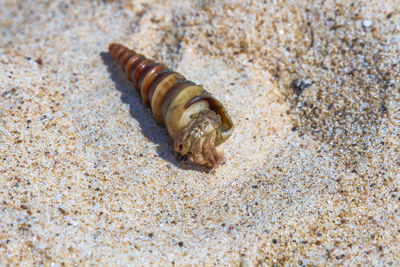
(196, 121)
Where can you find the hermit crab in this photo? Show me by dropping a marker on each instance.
(196, 121)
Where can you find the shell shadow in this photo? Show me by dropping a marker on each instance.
(152, 130)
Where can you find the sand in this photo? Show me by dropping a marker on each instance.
(311, 174)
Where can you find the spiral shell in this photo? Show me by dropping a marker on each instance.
(196, 121)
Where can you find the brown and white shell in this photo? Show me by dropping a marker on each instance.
(196, 121)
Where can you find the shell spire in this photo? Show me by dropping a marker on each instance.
(196, 121)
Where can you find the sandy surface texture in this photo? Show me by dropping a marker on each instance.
(311, 173)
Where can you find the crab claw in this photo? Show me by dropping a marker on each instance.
(198, 138)
(205, 153)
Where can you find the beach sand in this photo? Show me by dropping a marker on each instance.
(311, 175)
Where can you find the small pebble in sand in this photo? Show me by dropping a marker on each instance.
(367, 23)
